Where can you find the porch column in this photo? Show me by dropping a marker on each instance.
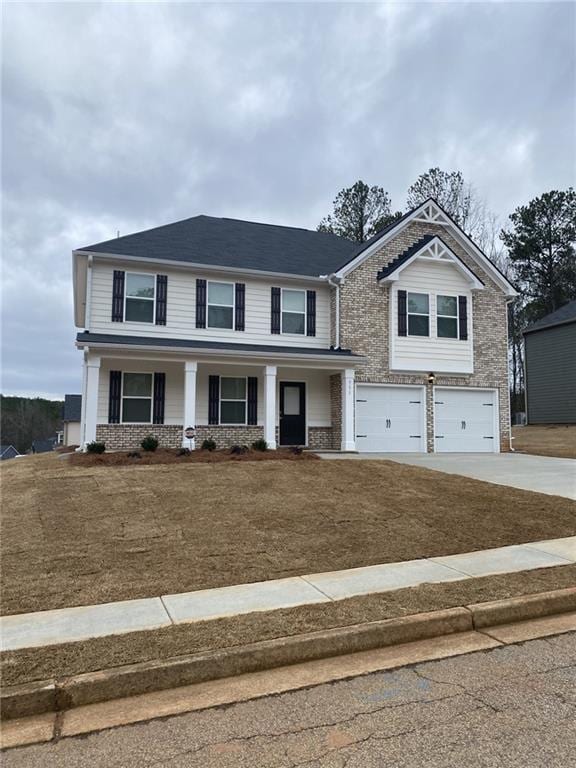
(270, 372)
(92, 376)
(190, 370)
(348, 437)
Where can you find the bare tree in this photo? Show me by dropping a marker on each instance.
(359, 212)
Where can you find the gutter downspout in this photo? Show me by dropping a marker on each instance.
(335, 282)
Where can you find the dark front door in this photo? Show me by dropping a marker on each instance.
(292, 413)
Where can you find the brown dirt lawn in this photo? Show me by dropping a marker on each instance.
(80, 535)
(546, 440)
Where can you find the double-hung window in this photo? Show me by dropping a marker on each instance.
(447, 317)
(232, 400)
(220, 305)
(418, 310)
(140, 297)
(136, 398)
(293, 311)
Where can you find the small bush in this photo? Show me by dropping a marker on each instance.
(95, 447)
(184, 452)
(209, 445)
(260, 445)
(150, 443)
(237, 449)
(134, 455)
(296, 450)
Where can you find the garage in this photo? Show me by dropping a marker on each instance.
(465, 420)
(390, 419)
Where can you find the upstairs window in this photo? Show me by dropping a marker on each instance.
(137, 398)
(140, 298)
(232, 400)
(447, 317)
(418, 309)
(220, 305)
(293, 311)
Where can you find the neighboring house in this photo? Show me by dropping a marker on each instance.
(550, 367)
(43, 446)
(72, 416)
(244, 331)
(8, 452)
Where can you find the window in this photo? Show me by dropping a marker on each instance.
(136, 398)
(220, 305)
(447, 317)
(232, 400)
(418, 306)
(140, 294)
(293, 311)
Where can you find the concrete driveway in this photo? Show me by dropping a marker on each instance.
(542, 474)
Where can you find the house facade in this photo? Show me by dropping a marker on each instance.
(235, 331)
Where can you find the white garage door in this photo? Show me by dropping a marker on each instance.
(390, 419)
(465, 421)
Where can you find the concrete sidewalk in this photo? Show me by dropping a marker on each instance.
(81, 623)
(540, 474)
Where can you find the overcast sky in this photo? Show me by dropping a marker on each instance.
(122, 116)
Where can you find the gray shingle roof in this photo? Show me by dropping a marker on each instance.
(236, 244)
(408, 253)
(566, 314)
(109, 338)
(72, 408)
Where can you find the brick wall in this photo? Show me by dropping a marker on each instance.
(364, 327)
(336, 409)
(127, 437)
(225, 436)
(321, 438)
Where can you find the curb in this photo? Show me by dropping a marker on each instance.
(145, 677)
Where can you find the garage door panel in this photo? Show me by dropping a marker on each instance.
(389, 419)
(464, 421)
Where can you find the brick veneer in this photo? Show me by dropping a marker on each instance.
(364, 328)
(224, 436)
(126, 437)
(321, 438)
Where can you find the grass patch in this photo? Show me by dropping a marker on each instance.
(546, 440)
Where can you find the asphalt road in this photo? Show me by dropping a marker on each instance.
(511, 706)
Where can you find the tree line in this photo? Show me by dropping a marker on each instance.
(535, 248)
(24, 419)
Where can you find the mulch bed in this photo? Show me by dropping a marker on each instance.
(175, 456)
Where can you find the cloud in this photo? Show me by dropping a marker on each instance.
(120, 116)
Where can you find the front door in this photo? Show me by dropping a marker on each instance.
(292, 413)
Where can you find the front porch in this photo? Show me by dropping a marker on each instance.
(228, 401)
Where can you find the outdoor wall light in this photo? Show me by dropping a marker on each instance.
(431, 378)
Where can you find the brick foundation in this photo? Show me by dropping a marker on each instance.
(224, 437)
(127, 437)
(321, 438)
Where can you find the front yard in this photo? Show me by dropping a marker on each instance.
(76, 535)
(546, 440)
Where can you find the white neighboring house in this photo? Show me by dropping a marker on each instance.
(71, 417)
(241, 331)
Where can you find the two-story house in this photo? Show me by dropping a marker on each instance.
(241, 331)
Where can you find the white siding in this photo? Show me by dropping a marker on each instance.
(421, 353)
(72, 433)
(317, 388)
(181, 310)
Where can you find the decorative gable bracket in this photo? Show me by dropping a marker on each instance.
(430, 249)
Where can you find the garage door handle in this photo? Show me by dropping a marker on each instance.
(463, 425)
(388, 423)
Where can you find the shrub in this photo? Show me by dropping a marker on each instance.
(150, 443)
(95, 447)
(184, 452)
(296, 450)
(209, 445)
(237, 449)
(260, 445)
(134, 455)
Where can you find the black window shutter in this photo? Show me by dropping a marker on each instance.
(114, 397)
(240, 306)
(252, 400)
(159, 396)
(463, 317)
(213, 399)
(161, 298)
(275, 308)
(118, 296)
(200, 303)
(402, 318)
(310, 313)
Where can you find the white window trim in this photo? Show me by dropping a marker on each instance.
(450, 317)
(228, 400)
(213, 304)
(305, 313)
(137, 397)
(143, 298)
(418, 314)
